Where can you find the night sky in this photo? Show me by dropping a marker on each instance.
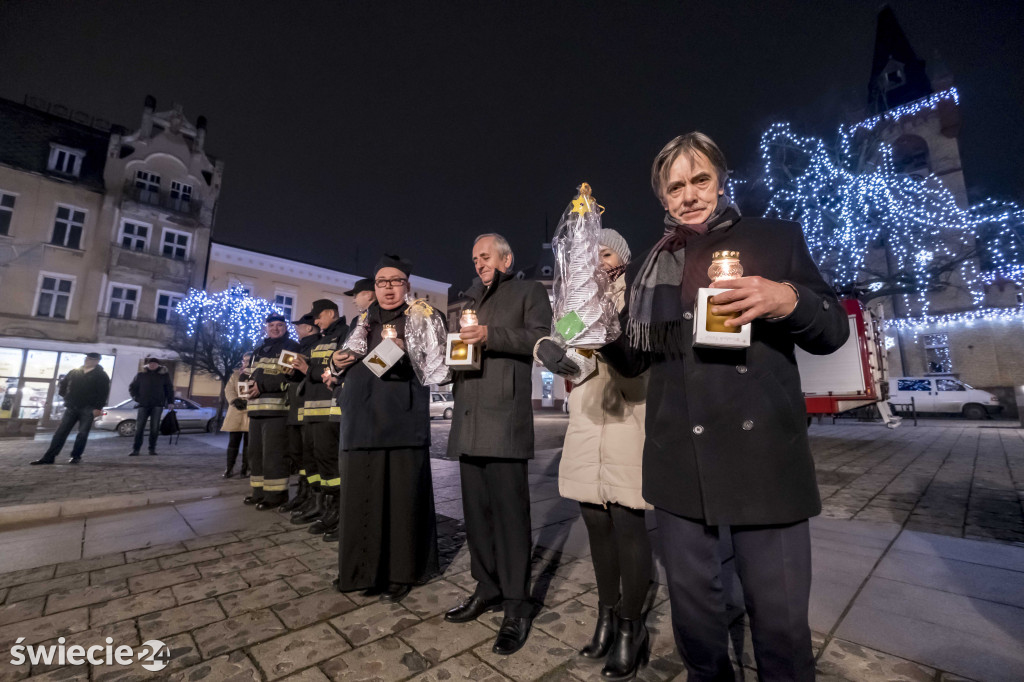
(350, 128)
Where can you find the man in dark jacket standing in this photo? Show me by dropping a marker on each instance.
(726, 438)
(85, 392)
(492, 435)
(152, 390)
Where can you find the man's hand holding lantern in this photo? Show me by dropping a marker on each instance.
(300, 364)
(343, 359)
(753, 298)
(474, 334)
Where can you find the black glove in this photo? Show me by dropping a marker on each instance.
(553, 357)
(239, 404)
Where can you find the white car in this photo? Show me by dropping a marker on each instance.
(121, 417)
(943, 394)
(441, 405)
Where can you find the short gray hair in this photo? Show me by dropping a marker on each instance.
(689, 144)
(504, 248)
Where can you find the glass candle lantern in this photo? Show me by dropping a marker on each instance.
(468, 319)
(389, 332)
(725, 265)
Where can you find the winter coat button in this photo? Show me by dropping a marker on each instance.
(824, 304)
(742, 369)
(698, 429)
(748, 425)
(687, 316)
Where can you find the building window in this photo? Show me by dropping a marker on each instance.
(65, 160)
(936, 354)
(124, 301)
(285, 302)
(175, 244)
(148, 185)
(134, 236)
(68, 226)
(181, 195)
(166, 305)
(54, 297)
(6, 212)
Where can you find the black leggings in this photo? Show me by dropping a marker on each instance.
(621, 552)
(236, 438)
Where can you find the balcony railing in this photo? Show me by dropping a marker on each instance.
(151, 264)
(189, 207)
(137, 330)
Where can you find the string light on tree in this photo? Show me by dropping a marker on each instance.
(238, 317)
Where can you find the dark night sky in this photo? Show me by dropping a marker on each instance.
(351, 128)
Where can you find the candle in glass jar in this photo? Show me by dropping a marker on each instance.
(725, 265)
(389, 332)
(468, 318)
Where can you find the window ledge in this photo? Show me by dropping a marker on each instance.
(64, 248)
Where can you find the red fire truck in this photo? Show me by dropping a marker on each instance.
(855, 375)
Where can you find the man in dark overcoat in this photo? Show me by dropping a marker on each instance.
(726, 441)
(492, 435)
(152, 390)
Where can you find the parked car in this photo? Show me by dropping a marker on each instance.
(121, 417)
(442, 405)
(943, 394)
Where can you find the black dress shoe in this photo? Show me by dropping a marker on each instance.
(133, 453)
(512, 635)
(250, 500)
(331, 536)
(152, 452)
(42, 461)
(264, 506)
(395, 593)
(472, 608)
(227, 474)
(75, 460)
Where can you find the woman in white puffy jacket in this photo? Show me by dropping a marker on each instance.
(601, 468)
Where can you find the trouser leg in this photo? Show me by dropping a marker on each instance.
(154, 426)
(634, 548)
(325, 450)
(234, 442)
(294, 450)
(774, 567)
(255, 452)
(603, 552)
(480, 538)
(693, 566)
(245, 452)
(510, 513)
(60, 436)
(308, 466)
(84, 426)
(274, 432)
(140, 427)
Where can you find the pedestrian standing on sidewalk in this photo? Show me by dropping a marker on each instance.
(236, 421)
(601, 468)
(387, 532)
(152, 390)
(492, 436)
(85, 391)
(726, 428)
(267, 404)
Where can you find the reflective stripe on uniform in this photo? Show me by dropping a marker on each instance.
(273, 485)
(331, 482)
(302, 472)
(315, 478)
(256, 481)
(335, 410)
(318, 412)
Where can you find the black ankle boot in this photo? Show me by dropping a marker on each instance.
(301, 495)
(312, 510)
(604, 633)
(630, 650)
(329, 520)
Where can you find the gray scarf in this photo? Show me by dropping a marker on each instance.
(655, 304)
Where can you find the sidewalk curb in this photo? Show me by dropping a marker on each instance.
(46, 511)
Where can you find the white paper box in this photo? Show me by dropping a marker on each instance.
(708, 331)
(383, 357)
(467, 359)
(243, 389)
(287, 358)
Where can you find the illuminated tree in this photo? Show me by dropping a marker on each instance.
(213, 332)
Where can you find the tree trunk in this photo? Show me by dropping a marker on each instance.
(221, 403)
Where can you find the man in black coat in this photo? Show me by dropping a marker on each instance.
(492, 435)
(152, 389)
(85, 391)
(726, 438)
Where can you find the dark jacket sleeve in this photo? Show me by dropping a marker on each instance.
(168, 389)
(100, 391)
(536, 323)
(133, 388)
(819, 323)
(62, 388)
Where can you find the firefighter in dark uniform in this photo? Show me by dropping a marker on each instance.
(268, 416)
(316, 414)
(298, 437)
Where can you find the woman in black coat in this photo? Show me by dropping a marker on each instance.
(387, 532)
